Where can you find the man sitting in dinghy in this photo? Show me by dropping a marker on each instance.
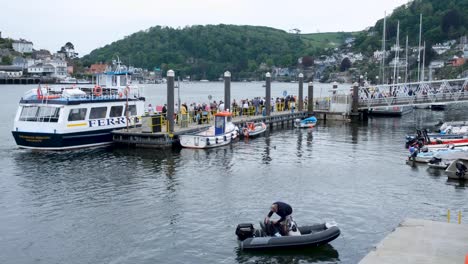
(283, 210)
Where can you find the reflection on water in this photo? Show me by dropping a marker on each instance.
(322, 254)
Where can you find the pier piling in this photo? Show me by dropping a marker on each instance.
(310, 99)
(227, 90)
(355, 102)
(268, 93)
(300, 99)
(170, 101)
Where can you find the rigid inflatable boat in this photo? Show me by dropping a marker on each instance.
(259, 239)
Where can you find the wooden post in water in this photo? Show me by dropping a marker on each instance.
(355, 102)
(170, 101)
(268, 93)
(227, 91)
(310, 99)
(300, 99)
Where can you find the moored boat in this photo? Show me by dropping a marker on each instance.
(252, 129)
(221, 134)
(458, 169)
(69, 118)
(305, 123)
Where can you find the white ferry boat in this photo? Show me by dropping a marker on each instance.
(69, 118)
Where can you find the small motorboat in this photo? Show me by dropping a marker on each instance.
(425, 155)
(458, 169)
(305, 123)
(305, 236)
(252, 129)
(221, 134)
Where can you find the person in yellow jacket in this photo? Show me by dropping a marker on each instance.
(184, 116)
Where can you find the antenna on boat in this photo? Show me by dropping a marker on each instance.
(419, 47)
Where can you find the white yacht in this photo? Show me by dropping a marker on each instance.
(69, 118)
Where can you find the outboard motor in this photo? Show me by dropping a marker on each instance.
(435, 160)
(461, 169)
(244, 231)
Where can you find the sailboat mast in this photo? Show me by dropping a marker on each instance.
(397, 54)
(423, 61)
(383, 49)
(406, 60)
(419, 47)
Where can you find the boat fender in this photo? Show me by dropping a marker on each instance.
(225, 138)
(207, 141)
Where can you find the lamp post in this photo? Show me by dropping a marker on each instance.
(268, 93)
(377, 79)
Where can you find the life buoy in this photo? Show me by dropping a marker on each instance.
(97, 90)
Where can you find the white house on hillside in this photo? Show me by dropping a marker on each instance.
(53, 68)
(23, 46)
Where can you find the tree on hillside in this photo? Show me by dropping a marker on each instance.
(68, 50)
(345, 64)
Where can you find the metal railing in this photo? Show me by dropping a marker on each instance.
(443, 91)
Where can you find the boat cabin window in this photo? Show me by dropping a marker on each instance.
(219, 122)
(132, 110)
(116, 111)
(98, 112)
(123, 80)
(77, 114)
(40, 114)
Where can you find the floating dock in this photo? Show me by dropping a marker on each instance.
(137, 137)
(422, 241)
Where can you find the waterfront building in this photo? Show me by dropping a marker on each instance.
(22, 46)
(10, 71)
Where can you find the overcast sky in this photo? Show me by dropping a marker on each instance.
(90, 24)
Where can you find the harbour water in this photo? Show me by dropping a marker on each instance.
(118, 205)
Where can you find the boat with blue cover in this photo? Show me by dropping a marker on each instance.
(305, 123)
(61, 118)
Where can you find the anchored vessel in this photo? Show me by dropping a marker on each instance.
(68, 118)
(305, 123)
(221, 134)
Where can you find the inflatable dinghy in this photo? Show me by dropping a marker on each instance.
(258, 239)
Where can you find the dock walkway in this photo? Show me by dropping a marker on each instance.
(422, 241)
(138, 138)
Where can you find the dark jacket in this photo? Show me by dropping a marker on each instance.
(284, 210)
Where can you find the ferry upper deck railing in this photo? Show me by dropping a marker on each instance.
(442, 91)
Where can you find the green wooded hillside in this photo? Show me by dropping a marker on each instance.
(207, 51)
(442, 20)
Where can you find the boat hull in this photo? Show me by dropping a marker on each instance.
(315, 235)
(260, 128)
(204, 142)
(50, 141)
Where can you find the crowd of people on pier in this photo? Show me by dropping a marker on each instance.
(203, 112)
